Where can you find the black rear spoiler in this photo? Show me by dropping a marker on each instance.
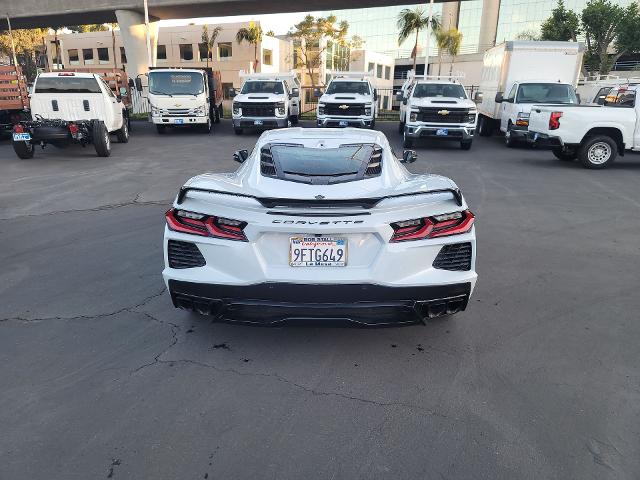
(269, 202)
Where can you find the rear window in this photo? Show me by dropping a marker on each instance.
(425, 90)
(67, 85)
(556, 93)
(620, 97)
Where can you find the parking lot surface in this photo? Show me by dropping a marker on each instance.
(102, 378)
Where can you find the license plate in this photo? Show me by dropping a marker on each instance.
(21, 137)
(317, 252)
(179, 121)
(258, 122)
(343, 123)
(442, 132)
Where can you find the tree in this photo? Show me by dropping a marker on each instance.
(253, 36)
(453, 48)
(562, 25)
(442, 42)
(528, 35)
(410, 21)
(270, 33)
(311, 38)
(25, 41)
(609, 25)
(95, 27)
(209, 39)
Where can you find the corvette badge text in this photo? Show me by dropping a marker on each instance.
(324, 222)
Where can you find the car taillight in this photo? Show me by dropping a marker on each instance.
(205, 225)
(554, 120)
(18, 128)
(432, 227)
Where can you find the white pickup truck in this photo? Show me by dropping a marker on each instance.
(594, 134)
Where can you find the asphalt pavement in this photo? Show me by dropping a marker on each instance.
(100, 377)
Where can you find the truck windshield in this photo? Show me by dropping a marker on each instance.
(361, 88)
(67, 85)
(175, 83)
(424, 90)
(263, 87)
(556, 93)
(321, 162)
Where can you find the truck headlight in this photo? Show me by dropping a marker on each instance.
(155, 111)
(236, 109)
(280, 108)
(471, 118)
(413, 117)
(321, 109)
(522, 119)
(199, 111)
(367, 109)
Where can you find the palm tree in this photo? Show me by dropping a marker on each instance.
(410, 21)
(442, 41)
(210, 40)
(252, 35)
(453, 49)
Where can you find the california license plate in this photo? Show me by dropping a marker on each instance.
(317, 252)
(343, 123)
(258, 122)
(179, 121)
(21, 137)
(442, 132)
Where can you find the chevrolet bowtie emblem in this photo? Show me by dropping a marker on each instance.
(443, 112)
(177, 104)
(319, 197)
(343, 107)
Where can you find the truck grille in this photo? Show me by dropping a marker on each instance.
(351, 110)
(443, 115)
(456, 256)
(257, 109)
(184, 255)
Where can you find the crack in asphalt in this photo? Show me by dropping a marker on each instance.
(89, 317)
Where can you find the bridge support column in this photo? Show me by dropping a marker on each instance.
(489, 24)
(450, 14)
(134, 37)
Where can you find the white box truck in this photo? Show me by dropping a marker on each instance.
(519, 74)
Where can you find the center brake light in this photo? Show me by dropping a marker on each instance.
(66, 74)
(205, 225)
(554, 120)
(432, 227)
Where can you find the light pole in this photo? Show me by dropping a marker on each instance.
(13, 46)
(428, 44)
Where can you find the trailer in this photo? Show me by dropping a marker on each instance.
(14, 98)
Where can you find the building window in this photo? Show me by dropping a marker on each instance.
(379, 71)
(103, 56)
(123, 55)
(267, 57)
(225, 50)
(371, 67)
(186, 52)
(226, 90)
(162, 52)
(387, 73)
(74, 59)
(87, 55)
(204, 53)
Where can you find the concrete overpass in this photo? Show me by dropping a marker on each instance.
(130, 16)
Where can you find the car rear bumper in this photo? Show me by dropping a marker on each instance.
(543, 140)
(366, 304)
(454, 132)
(337, 122)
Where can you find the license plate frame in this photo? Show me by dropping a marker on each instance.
(21, 137)
(442, 132)
(322, 252)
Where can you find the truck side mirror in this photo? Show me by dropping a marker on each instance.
(240, 155)
(409, 156)
(478, 97)
(317, 93)
(499, 98)
(138, 84)
(232, 92)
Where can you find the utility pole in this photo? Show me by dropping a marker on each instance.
(146, 25)
(13, 46)
(428, 44)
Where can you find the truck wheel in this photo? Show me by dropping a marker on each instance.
(597, 152)
(160, 129)
(294, 119)
(485, 128)
(466, 145)
(509, 141)
(565, 155)
(237, 131)
(24, 150)
(101, 138)
(123, 133)
(407, 142)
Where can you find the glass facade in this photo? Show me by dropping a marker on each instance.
(469, 24)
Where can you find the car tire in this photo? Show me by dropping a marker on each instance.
(565, 155)
(597, 152)
(101, 138)
(237, 131)
(123, 134)
(161, 129)
(294, 119)
(24, 150)
(407, 142)
(509, 141)
(466, 145)
(485, 128)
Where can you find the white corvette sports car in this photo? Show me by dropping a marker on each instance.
(320, 224)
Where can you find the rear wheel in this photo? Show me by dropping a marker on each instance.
(565, 155)
(123, 133)
(24, 150)
(101, 138)
(598, 152)
(161, 129)
(485, 127)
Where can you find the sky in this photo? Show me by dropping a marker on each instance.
(280, 23)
